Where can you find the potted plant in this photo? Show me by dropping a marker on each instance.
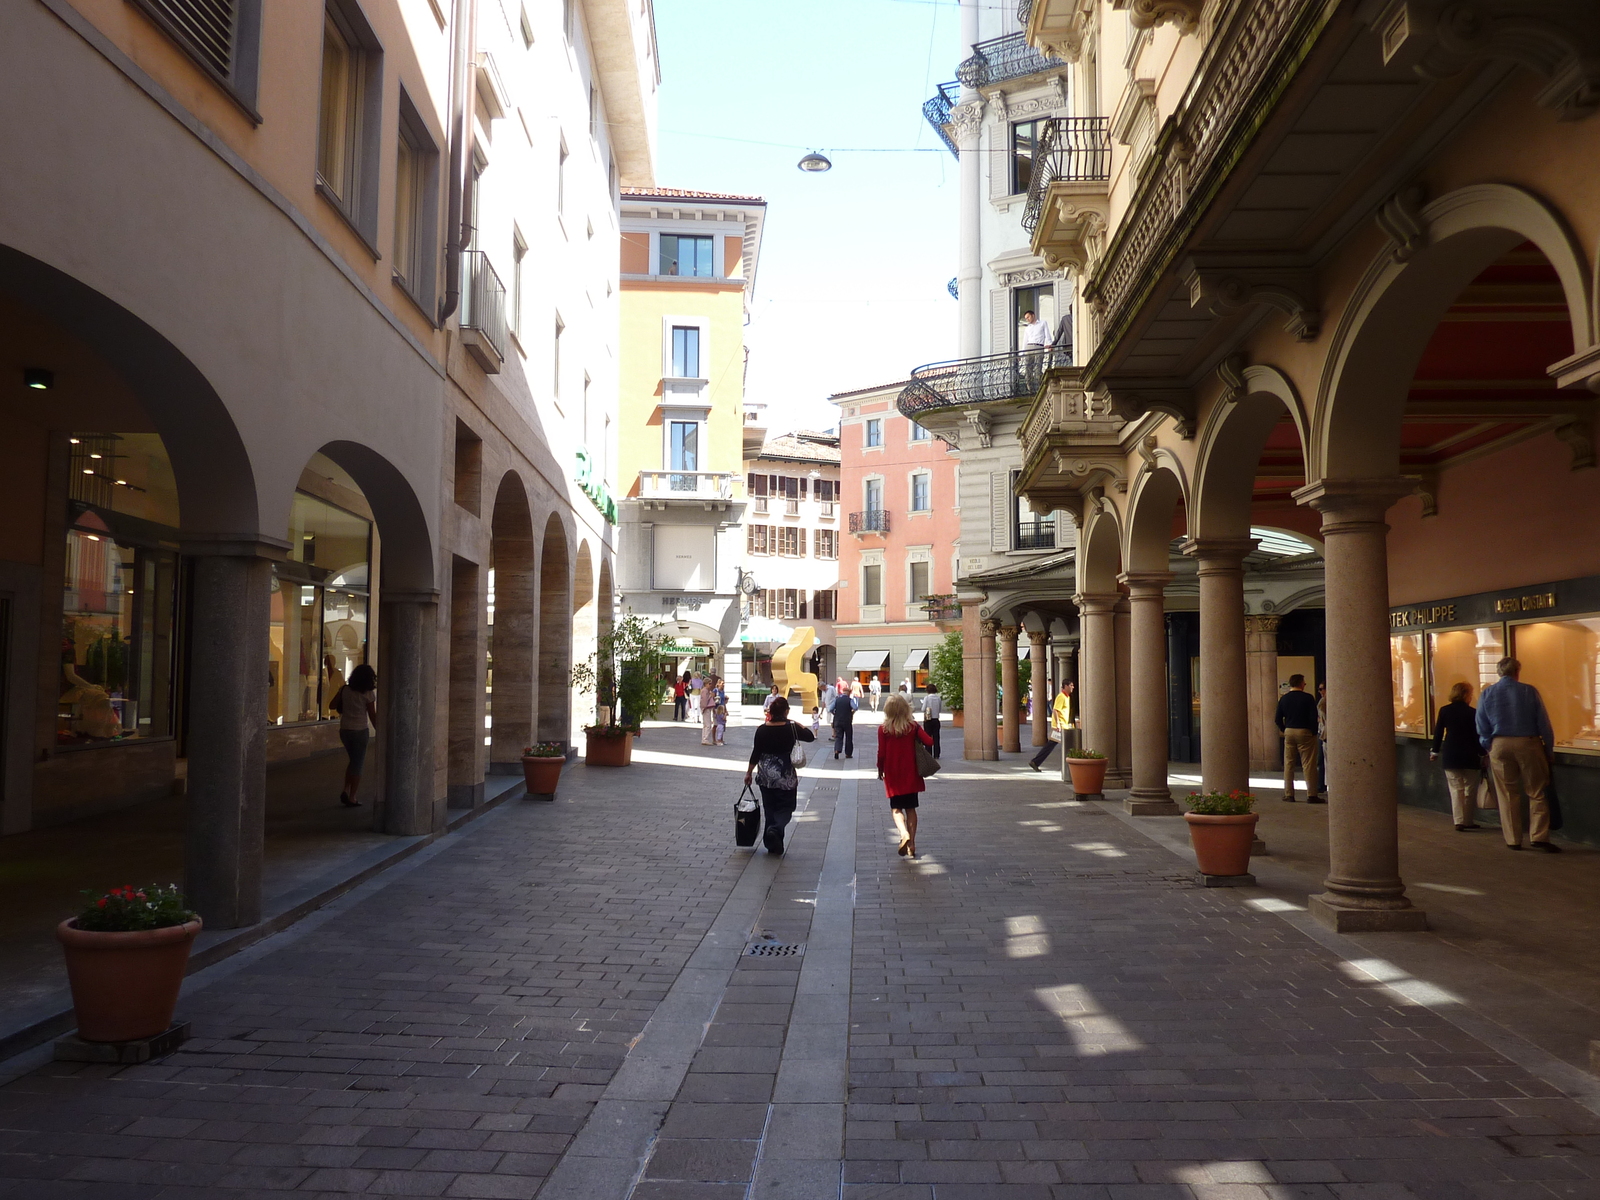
(541, 767)
(1222, 826)
(126, 956)
(626, 667)
(1088, 768)
(945, 670)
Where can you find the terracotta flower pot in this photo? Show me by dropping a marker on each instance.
(1088, 775)
(1222, 843)
(607, 749)
(958, 719)
(125, 985)
(542, 774)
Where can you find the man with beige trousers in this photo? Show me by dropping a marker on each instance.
(1515, 731)
(1297, 718)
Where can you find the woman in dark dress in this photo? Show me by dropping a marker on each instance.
(1457, 731)
(774, 773)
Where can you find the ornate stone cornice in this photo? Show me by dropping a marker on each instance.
(1146, 14)
(1221, 287)
(1027, 275)
(1131, 401)
(1067, 39)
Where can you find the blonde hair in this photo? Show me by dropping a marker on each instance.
(1460, 691)
(897, 715)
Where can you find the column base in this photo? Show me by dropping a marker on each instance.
(1150, 806)
(1205, 880)
(1118, 778)
(467, 795)
(1329, 910)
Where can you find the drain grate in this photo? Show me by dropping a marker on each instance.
(775, 949)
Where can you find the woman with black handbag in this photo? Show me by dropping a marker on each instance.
(899, 739)
(773, 761)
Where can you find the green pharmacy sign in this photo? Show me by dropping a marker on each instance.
(594, 487)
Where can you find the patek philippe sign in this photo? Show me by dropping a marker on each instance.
(1559, 598)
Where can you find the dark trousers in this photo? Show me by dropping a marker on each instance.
(680, 708)
(1045, 751)
(777, 808)
(844, 739)
(931, 726)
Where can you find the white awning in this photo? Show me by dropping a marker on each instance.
(868, 660)
(765, 629)
(915, 661)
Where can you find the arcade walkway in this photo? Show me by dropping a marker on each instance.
(558, 1000)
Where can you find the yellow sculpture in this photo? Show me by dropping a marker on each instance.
(788, 661)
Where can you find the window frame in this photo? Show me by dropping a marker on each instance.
(364, 125)
(872, 434)
(241, 83)
(678, 239)
(867, 569)
(423, 287)
(674, 361)
(1018, 185)
(926, 479)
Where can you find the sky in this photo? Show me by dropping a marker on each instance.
(851, 285)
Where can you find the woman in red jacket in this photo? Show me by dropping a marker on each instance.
(897, 767)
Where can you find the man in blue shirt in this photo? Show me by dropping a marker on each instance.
(1515, 731)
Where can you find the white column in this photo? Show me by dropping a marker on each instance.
(967, 118)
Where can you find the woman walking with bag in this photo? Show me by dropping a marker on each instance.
(357, 705)
(773, 762)
(898, 738)
(1456, 731)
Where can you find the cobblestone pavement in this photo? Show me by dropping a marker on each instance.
(558, 1000)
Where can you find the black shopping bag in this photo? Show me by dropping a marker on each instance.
(746, 818)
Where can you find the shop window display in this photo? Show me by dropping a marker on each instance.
(1410, 695)
(319, 610)
(1562, 660)
(1463, 656)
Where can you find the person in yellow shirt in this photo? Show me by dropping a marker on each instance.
(1061, 720)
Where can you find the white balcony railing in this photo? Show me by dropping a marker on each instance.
(686, 485)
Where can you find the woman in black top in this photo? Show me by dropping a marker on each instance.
(1457, 731)
(774, 774)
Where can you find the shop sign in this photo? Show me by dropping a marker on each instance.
(1516, 604)
(1411, 618)
(692, 603)
(594, 487)
(676, 649)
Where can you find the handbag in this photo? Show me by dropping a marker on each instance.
(797, 756)
(746, 818)
(927, 764)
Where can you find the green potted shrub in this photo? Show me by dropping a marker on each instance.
(627, 668)
(127, 953)
(1222, 827)
(541, 768)
(946, 672)
(1088, 769)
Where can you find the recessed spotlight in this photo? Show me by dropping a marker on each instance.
(92, 537)
(88, 470)
(76, 441)
(38, 378)
(122, 483)
(96, 456)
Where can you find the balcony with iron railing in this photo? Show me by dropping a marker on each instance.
(686, 485)
(968, 381)
(483, 311)
(874, 520)
(1003, 58)
(937, 111)
(1070, 150)
(1034, 535)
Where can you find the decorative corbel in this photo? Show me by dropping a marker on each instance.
(1428, 491)
(1147, 451)
(1400, 216)
(1578, 436)
(981, 425)
(1223, 290)
(1146, 14)
(1131, 403)
(1231, 372)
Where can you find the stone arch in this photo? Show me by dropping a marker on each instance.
(1100, 552)
(511, 624)
(1151, 508)
(555, 633)
(585, 627)
(1401, 300)
(1230, 447)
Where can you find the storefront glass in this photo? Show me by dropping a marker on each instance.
(1410, 696)
(1562, 660)
(319, 610)
(1463, 656)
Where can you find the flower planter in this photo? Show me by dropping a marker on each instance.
(125, 985)
(542, 774)
(1088, 775)
(958, 719)
(607, 749)
(1222, 843)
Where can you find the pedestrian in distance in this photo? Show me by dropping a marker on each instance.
(932, 710)
(844, 717)
(773, 769)
(1060, 721)
(1456, 733)
(719, 712)
(680, 698)
(357, 705)
(708, 711)
(766, 704)
(696, 685)
(1514, 728)
(857, 691)
(897, 767)
(876, 688)
(830, 693)
(1296, 718)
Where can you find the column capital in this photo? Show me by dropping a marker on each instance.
(1354, 499)
(1146, 585)
(1097, 603)
(1038, 637)
(1010, 633)
(989, 626)
(1219, 554)
(1259, 623)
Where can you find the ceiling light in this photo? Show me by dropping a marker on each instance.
(88, 470)
(96, 456)
(38, 378)
(122, 483)
(75, 441)
(814, 162)
(92, 537)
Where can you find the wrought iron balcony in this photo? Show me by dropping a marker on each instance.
(686, 485)
(937, 111)
(965, 381)
(1003, 58)
(1071, 150)
(1036, 535)
(874, 520)
(483, 310)
(943, 608)
(1024, 12)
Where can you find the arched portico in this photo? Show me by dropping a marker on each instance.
(513, 625)
(585, 627)
(1104, 668)
(1154, 508)
(555, 633)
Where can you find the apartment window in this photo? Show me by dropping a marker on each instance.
(919, 582)
(686, 256)
(555, 358)
(519, 251)
(594, 112)
(1029, 531)
(526, 27)
(1024, 147)
(350, 116)
(824, 606)
(918, 433)
(871, 585)
(759, 539)
(826, 490)
(1041, 302)
(874, 495)
(223, 37)
(921, 484)
(686, 352)
(874, 431)
(791, 542)
(825, 543)
(781, 603)
(407, 209)
(683, 446)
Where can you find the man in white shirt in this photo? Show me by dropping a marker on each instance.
(876, 690)
(1035, 333)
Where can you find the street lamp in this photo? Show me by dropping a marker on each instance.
(814, 162)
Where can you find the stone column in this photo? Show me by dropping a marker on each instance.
(971, 681)
(1122, 772)
(1147, 590)
(1261, 667)
(406, 714)
(227, 736)
(1011, 704)
(1365, 892)
(1097, 673)
(985, 707)
(1040, 688)
(1224, 698)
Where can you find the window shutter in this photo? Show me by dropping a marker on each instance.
(802, 550)
(998, 160)
(1000, 331)
(802, 489)
(999, 509)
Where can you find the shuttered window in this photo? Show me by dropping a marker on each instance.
(209, 27)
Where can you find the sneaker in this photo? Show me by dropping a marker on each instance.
(1547, 847)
